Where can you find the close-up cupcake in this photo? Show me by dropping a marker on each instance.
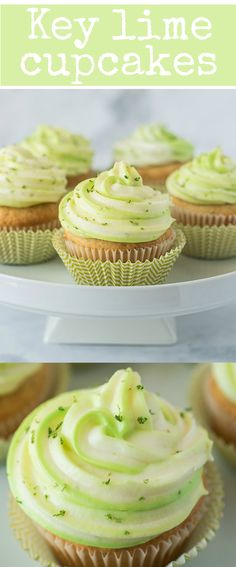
(117, 231)
(71, 152)
(113, 475)
(155, 152)
(203, 202)
(30, 190)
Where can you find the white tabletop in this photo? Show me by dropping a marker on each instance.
(171, 381)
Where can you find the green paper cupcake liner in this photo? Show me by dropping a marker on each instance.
(228, 450)
(34, 543)
(90, 272)
(63, 372)
(209, 242)
(26, 246)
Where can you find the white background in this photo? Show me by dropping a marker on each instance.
(172, 381)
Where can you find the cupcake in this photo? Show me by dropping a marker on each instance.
(155, 152)
(22, 387)
(30, 190)
(112, 475)
(70, 152)
(203, 201)
(118, 221)
(220, 400)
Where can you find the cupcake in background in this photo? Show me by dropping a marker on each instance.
(128, 480)
(116, 219)
(220, 400)
(203, 202)
(22, 387)
(155, 152)
(30, 190)
(70, 152)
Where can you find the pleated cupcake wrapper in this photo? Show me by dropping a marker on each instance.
(185, 216)
(90, 272)
(27, 246)
(228, 450)
(108, 255)
(35, 544)
(209, 242)
(58, 386)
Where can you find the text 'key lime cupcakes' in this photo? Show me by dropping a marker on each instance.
(71, 152)
(203, 201)
(113, 475)
(117, 231)
(155, 152)
(30, 190)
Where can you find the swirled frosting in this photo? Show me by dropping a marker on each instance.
(210, 179)
(225, 376)
(26, 180)
(110, 467)
(71, 152)
(117, 207)
(153, 145)
(13, 374)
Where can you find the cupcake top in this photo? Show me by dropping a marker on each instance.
(112, 466)
(153, 144)
(116, 207)
(26, 180)
(13, 374)
(210, 179)
(225, 376)
(71, 152)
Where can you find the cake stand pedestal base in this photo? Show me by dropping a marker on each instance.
(108, 330)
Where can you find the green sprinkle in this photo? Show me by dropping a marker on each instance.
(141, 420)
(32, 436)
(139, 387)
(119, 417)
(146, 481)
(60, 513)
(126, 176)
(27, 429)
(136, 178)
(52, 433)
(18, 501)
(46, 496)
(61, 440)
(126, 532)
(61, 408)
(151, 412)
(107, 481)
(182, 414)
(114, 518)
(141, 498)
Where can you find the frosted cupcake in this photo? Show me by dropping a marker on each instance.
(203, 201)
(220, 400)
(112, 475)
(22, 387)
(155, 152)
(70, 152)
(30, 190)
(115, 218)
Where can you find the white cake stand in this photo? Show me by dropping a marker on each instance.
(117, 315)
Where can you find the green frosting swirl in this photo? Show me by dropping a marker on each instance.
(13, 374)
(112, 466)
(225, 376)
(210, 179)
(26, 180)
(71, 152)
(153, 145)
(117, 207)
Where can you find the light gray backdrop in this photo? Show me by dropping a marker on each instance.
(207, 117)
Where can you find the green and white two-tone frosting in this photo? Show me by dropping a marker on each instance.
(153, 145)
(210, 179)
(112, 466)
(116, 207)
(225, 376)
(26, 180)
(71, 152)
(14, 374)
